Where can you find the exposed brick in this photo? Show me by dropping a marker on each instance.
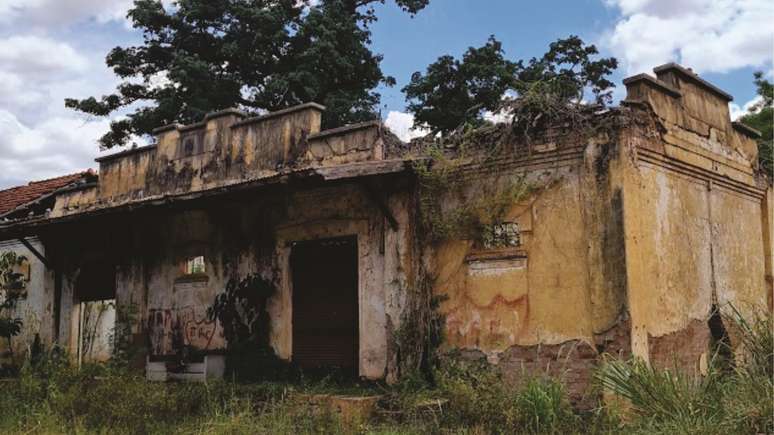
(681, 349)
(572, 362)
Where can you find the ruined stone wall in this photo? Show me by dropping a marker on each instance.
(225, 149)
(249, 234)
(631, 238)
(695, 219)
(35, 309)
(632, 231)
(555, 303)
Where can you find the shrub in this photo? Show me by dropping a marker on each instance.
(478, 396)
(664, 396)
(722, 401)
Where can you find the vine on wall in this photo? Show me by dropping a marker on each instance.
(241, 311)
(11, 285)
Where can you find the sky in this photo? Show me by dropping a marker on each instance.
(54, 49)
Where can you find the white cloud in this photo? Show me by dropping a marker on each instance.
(402, 124)
(39, 56)
(40, 66)
(55, 147)
(706, 35)
(37, 73)
(63, 12)
(737, 111)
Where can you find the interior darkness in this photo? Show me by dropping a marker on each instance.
(96, 282)
(325, 311)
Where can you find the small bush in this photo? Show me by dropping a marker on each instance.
(474, 395)
(662, 395)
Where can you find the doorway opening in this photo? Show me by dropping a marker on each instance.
(96, 298)
(325, 304)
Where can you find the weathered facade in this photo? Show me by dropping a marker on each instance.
(624, 244)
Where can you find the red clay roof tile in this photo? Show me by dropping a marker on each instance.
(14, 197)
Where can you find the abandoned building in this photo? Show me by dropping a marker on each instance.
(624, 242)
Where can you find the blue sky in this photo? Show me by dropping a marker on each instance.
(524, 27)
(451, 26)
(52, 49)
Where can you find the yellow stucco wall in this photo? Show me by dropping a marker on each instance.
(695, 217)
(535, 293)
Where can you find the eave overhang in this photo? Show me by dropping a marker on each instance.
(298, 178)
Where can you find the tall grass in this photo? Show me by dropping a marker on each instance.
(51, 396)
(55, 397)
(755, 333)
(474, 396)
(673, 401)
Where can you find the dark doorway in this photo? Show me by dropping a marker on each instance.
(95, 293)
(325, 308)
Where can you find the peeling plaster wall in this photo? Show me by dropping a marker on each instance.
(556, 302)
(224, 149)
(241, 238)
(695, 219)
(628, 240)
(36, 309)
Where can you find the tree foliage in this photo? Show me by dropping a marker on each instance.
(10, 283)
(455, 92)
(204, 55)
(761, 118)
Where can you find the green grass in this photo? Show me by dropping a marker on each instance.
(465, 398)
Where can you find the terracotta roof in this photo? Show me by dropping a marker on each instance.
(14, 197)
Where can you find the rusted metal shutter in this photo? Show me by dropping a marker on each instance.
(325, 309)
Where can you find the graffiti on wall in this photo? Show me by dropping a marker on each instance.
(173, 328)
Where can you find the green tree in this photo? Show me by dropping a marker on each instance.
(204, 55)
(761, 118)
(453, 92)
(10, 284)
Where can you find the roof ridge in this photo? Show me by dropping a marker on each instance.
(45, 180)
(13, 198)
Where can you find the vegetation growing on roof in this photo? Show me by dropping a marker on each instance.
(456, 94)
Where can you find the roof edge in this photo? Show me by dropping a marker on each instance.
(746, 129)
(124, 153)
(344, 129)
(649, 79)
(277, 113)
(689, 74)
